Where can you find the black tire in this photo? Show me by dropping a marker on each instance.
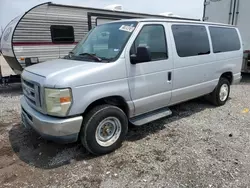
(215, 95)
(90, 125)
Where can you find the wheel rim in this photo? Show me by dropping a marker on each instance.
(224, 92)
(108, 131)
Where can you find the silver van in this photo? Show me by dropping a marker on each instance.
(129, 71)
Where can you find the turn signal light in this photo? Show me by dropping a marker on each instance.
(65, 99)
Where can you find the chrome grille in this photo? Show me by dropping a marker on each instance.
(31, 92)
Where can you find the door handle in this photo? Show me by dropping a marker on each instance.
(169, 76)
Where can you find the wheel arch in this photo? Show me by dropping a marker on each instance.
(112, 100)
(228, 75)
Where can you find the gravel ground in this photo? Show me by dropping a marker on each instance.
(199, 146)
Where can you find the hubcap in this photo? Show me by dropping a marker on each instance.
(223, 92)
(108, 131)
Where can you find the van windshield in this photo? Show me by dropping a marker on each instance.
(104, 43)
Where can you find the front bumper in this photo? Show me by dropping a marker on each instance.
(63, 130)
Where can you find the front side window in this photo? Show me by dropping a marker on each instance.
(153, 37)
(224, 39)
(105, 42)
(191, 40)
(62, 34)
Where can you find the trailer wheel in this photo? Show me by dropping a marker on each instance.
(221, 93)
(103, 130)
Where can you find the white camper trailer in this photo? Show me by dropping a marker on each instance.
(233, 12)
(49, 31)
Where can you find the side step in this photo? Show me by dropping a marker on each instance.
(151, 116)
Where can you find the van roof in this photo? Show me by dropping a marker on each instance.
(174, 21)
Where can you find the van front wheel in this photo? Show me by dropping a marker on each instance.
(221, 93)
(104, 129)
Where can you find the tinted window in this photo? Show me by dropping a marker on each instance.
(224, 39)
(153, 37)
(62, 34)
(191, 40)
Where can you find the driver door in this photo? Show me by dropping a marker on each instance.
(150, 83)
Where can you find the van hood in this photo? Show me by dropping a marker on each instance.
(69, 73)
(59, 66)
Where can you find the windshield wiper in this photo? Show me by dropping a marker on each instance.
(106, 59)
(93, 56)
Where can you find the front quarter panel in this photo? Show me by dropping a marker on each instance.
(111, 81)
(85, 95)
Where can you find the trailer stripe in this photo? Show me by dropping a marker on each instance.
(40, 43)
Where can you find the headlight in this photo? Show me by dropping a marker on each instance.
(58, 101)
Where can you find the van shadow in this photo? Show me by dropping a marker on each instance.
(245, 79)
(179, 111)
(38, 152)
(11, 89)
(35, 151)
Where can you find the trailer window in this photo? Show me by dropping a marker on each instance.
(62, 34)
(191, 40)
(224, 39)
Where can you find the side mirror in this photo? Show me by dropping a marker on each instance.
(143, 55)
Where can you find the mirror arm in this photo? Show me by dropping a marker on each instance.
(133, 59)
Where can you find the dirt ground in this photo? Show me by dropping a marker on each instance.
(198, 146)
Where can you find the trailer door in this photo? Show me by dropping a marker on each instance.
(218, 11)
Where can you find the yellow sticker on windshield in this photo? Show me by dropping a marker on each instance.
(127, 28)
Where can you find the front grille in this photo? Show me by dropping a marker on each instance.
(31, 92)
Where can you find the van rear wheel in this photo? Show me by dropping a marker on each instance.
(103, 130)
(221, 93)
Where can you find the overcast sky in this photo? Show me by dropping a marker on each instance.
(9, 9)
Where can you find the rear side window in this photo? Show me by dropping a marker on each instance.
(191, 40)
(153, 37)
(224, 39)
(62, 34)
